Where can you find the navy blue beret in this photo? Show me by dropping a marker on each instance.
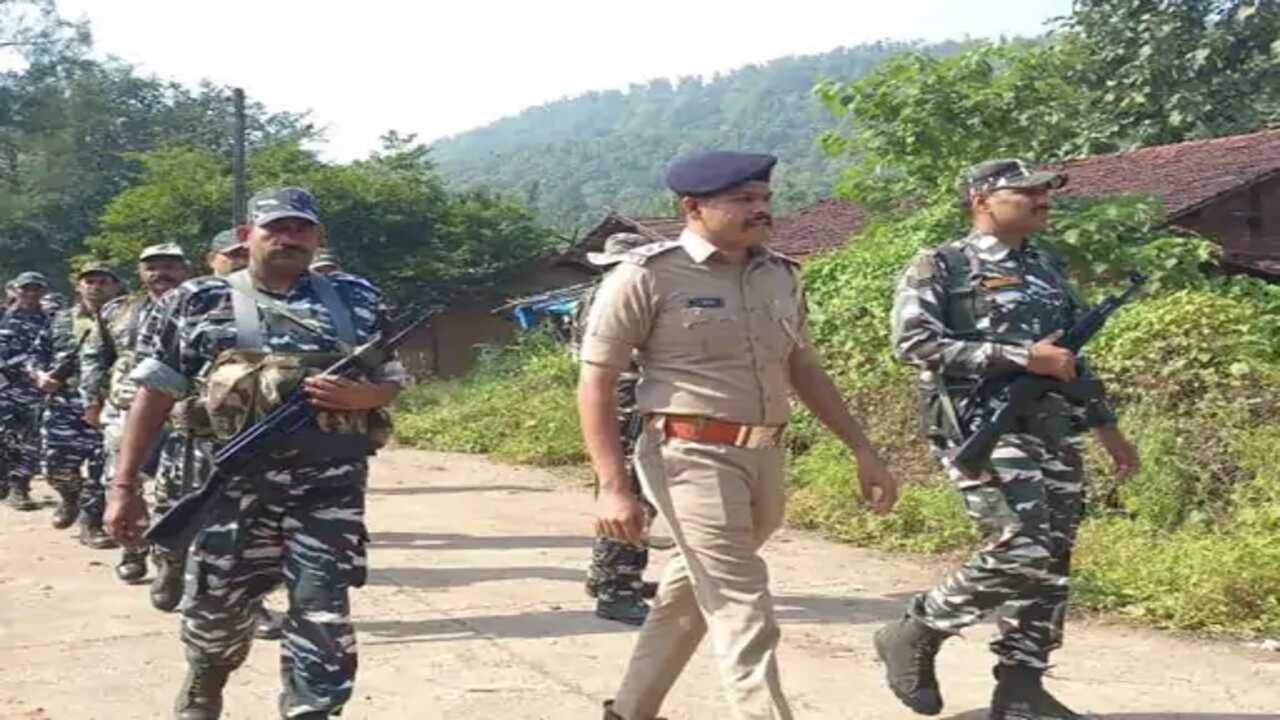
(708, 173)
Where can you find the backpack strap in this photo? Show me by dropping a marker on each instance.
(246, 299)
(959, 270)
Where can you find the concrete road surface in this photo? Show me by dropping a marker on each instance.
(475, 609)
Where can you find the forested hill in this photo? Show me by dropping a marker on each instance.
(572, 157)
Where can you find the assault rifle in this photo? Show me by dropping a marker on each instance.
(1020, 391)
(175, 530)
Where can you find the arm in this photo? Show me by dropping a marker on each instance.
(598, 411)
(94, 371)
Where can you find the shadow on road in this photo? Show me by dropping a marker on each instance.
(982, 715)
(448, 489)
(541, 624)
(458, 541)
(828, 610)
(417, 577)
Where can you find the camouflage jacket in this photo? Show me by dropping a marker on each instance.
(1015, 297)
(19, 332)
(196, 323)
(61, 340)
(110, 351)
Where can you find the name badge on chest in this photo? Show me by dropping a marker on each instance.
(1001, 281)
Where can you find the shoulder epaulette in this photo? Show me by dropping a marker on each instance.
(643, 254)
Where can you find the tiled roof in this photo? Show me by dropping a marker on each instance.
(1184, 175)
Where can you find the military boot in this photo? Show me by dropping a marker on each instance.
(166, 586)
(20, 498)
(1020, 695)
(68, 489)
(648, 590)
(908, 648)
(629, 609)
(93, 536)
(609, 714)
(132, 567)
(201, 695)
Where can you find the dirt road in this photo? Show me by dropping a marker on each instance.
(475, 609)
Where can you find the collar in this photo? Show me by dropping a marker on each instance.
(698, 247)
(994, 249)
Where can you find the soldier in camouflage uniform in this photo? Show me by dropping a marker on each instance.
(615, 577)
(186, 462)
(68, 441)
(19, 397)
(106, 359)
(298, 518)
(993, 303)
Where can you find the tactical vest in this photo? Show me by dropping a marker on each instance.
(243, 384)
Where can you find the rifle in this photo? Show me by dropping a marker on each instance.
(1021, 390)
(177, 528)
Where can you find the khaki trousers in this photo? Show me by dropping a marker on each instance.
(722, 503)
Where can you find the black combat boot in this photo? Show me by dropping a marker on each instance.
(166, 586)
(648, 590)
(68, 489)
(20, 498)
(132, 567)
(267, 624)
(609, 714)
(93, 536)
(908, 648)
(201, 695)
(1020, 695)
(629, 609)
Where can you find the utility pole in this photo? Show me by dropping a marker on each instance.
(238, 198)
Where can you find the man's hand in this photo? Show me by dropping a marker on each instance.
(93, 415)
(126, 517)
(1052, 361)
(879, 487)
(620, 515)
(1123, 453)
(333, 392)
(46, 383)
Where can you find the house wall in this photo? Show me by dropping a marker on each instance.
(1229, 220)
(448, 346)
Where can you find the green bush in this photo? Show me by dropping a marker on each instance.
(518, 405)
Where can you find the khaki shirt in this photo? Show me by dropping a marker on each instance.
(713, 338)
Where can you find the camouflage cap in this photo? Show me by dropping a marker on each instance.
(323, 258)
(284, 202)
(30, 278)
(224, 241)
(95, 266)
(1007, 173)
(615, 247)
(162, 250)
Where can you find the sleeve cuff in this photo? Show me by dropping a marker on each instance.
(158, 376)
(606, 352)
(1019, 355)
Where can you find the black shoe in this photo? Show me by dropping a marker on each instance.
(166, 586)
(629, 609)
(648, 590)
(20, 498)
(201, 695)
(68, 510)
(132, 568)
(93, 536)
(267, 624)
(908, 648)
(609, 714)
(1020, 695)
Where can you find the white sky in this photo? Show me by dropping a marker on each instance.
(438, 68)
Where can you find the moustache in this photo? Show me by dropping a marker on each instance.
(764, 220)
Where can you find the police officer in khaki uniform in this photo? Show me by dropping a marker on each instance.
(717, 322)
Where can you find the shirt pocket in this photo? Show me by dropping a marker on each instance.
(781, 328)
(715, 332)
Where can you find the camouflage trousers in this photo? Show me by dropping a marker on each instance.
(19, 433)
(93, 497)
(1028, 512)
(617, 568)
(67, 442)
(303, 527)
(183, 466)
